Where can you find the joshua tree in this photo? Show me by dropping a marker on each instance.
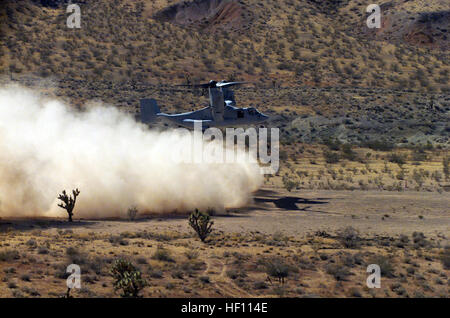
(132, 212)
(68, 202)
(201, 224)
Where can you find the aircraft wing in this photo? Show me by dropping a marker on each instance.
(191, 122)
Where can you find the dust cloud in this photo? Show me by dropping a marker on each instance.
(46, 146)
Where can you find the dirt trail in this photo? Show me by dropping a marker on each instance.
(216, 271)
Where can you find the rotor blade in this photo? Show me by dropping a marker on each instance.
(228, 84)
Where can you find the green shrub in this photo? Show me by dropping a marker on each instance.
(127, 278)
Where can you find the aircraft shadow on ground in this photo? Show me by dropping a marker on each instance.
(291, 203)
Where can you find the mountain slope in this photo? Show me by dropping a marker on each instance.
(294, 42)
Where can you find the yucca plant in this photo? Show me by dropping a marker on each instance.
(201, 223)
(127, 278)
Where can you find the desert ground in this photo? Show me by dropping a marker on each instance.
(321, 242)
(364, 137)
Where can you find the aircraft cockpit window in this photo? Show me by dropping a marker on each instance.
(240, 113)
(251, 111)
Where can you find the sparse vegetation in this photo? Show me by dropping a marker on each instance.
(377, 104)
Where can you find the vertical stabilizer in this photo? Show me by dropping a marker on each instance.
(149, 110)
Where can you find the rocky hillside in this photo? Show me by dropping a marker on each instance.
(314, 43)
(317, 69)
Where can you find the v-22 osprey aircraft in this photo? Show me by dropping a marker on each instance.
(221, 112)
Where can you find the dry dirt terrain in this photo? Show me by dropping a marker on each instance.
(320, 241)
(364, 144)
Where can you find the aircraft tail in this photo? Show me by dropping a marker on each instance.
(149, 110)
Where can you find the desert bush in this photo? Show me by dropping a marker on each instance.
(74, 256)
(201, 223)
(385, 263)
(235, 274)
(419, 240)
(445, 257)
(162, 254)
(32, 243)
(348, 153)
(397, 158)
(338, 271)
(355, 292)
(155, 273)
(402, 241)
(8, 255)
(289, 183)
(204, 279)
(332, 144)
(43, 250)
(117, 239)
(260, 285)
(141, 260)
(419, 155)
(127, 278)
(378, 145)
(191, 254)
(277, 239)
(349, 237)
(278, 269)
(331, 157)
(418, 177)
